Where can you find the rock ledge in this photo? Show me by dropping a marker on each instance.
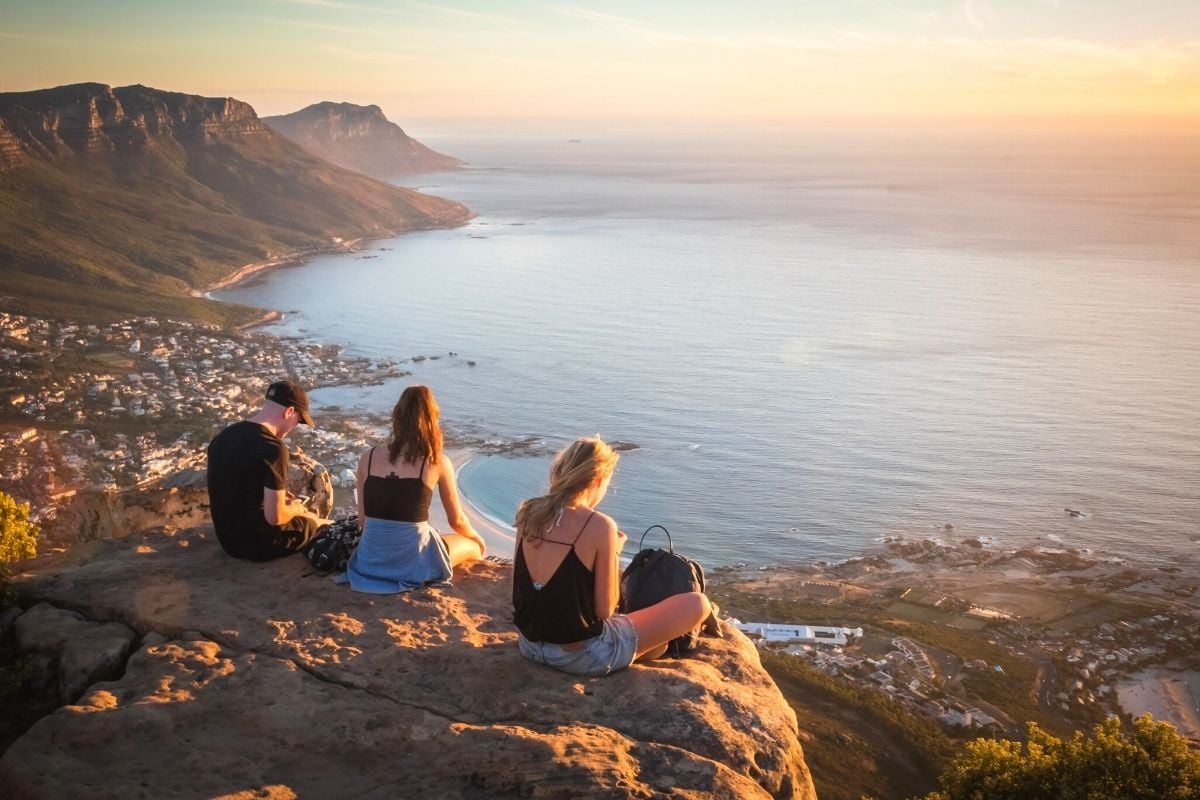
(257, 680)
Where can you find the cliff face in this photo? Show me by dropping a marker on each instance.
(94, 118)
(359, 138)
(255, 679)
(11, 152)
(129, 198)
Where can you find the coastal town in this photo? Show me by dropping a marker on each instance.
(984, 640)
(113, 406)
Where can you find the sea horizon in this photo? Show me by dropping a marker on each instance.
(812, 349)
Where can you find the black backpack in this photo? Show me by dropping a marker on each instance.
(330, 549)
(653, 576)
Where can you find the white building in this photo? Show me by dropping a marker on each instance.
(811, 634)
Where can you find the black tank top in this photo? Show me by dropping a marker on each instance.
(563, 609)
(396, 499)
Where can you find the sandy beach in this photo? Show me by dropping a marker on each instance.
(1167, 695)
(499, 538)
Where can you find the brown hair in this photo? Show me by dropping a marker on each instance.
(573, 471)
(415, 434)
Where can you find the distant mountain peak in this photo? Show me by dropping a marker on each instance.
(361, 138)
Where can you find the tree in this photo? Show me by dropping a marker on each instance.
(18, 536)
(1150, 762)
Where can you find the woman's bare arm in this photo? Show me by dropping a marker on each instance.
(448, 491)
(606, 568)
(360, 480)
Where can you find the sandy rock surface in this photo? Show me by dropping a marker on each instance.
(255, 678)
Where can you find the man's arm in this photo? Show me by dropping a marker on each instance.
(279, 510)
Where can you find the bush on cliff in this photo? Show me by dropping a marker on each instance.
(18, 541)
(1150, 762)
(18, 536)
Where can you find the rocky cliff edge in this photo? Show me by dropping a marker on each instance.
(259, 680)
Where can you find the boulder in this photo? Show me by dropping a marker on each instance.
(309, 477)
(7, 618)
(85, 652)
(271, 683)
(179, 500)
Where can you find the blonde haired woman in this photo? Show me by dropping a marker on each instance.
(399, 549)
(566, 576)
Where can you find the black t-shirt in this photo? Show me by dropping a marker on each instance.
(244, 459)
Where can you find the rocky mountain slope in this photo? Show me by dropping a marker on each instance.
(359, 138)
(257, 680)
(127, 200)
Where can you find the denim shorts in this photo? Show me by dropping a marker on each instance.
(612, 650)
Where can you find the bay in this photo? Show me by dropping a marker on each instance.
(815, 342)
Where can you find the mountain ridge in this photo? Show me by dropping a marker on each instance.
(128, 200)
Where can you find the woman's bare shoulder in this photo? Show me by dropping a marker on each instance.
(601, 525)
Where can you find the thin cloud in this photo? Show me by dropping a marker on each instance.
(322, 26)
(458, 12)
(979, 14)
(368, 56)
(403, 9)
(921, 16)
(597, 16)
(33, 37)
(640, 30)
(323, 4)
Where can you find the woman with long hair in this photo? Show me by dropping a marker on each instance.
(566, 576)
(399, 549)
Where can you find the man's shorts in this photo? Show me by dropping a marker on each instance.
(271, 541)
(612, 650)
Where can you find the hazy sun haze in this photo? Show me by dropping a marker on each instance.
(774, 60)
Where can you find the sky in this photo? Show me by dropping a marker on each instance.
(691, 62)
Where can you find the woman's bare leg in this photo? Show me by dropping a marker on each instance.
(662, 622)
(461, 549)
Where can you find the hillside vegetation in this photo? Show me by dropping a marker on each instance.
(129, 200)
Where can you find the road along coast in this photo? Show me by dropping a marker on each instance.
(290, 259)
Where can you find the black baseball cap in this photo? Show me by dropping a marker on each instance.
(289, 393)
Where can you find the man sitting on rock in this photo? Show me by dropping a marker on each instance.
(252, 513)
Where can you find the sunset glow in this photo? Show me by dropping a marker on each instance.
(769, 60)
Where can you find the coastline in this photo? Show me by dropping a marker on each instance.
(294, 258)
(1165, 694)
(500, 537)
(289, 259)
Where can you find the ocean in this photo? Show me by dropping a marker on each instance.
(816, 341)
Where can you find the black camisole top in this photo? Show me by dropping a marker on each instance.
(396, 499)
(563, 609)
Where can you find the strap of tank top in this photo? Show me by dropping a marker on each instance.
(585, 524)
(370, 458)
(421, 477)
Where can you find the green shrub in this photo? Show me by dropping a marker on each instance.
(18, 536)
(1150, 762)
